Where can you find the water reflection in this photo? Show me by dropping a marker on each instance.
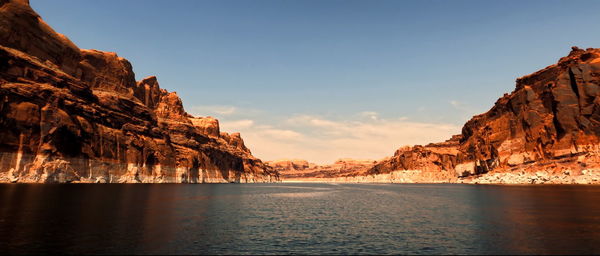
(84, 218)
(538, 219)
(299, 218)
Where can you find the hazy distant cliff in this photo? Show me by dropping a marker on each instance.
(71, 115)
(296, 169)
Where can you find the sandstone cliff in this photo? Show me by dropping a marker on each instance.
(547, 130)
(297, 169)
(72, 115)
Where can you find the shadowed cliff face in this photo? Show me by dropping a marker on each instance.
(71, 115)
(550, 122)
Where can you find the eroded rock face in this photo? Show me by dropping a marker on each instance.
(436, 161)
(21, 28)
(207, 125)
(70, 115)
(550, 122)
(552, 115)
(235, 140)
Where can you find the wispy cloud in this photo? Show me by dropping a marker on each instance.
(282, 134)
(462, 107)
(237, 124)
(213, 110)
(324, 140)
(457, 104)
(369, 114)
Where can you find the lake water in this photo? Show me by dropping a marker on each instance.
(299, 219)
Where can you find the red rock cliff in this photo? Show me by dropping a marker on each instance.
(71, 115)
(550, 123)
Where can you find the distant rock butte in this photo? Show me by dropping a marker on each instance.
(71, 115)
(297, 169)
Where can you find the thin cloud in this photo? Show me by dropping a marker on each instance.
(248, 127)
(282, 134)
(461, 106)
(213, 110)
(369, 114)
(466, 111)
(236, 125)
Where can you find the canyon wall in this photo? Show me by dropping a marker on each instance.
(72, 115)
(546, 131)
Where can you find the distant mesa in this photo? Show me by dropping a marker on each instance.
(298, 169)
(72, 115)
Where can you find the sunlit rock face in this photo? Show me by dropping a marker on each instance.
(434, 162)
(550, 123)
(71, 115)
(207, 125)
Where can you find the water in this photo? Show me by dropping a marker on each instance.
(299, 219)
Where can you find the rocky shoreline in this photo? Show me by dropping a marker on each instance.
(588, 177)
(541, 177)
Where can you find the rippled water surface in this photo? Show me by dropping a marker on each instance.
(299, 218)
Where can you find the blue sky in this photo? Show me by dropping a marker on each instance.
(323, 80)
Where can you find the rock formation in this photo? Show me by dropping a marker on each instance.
(550, 124)
(291, 164)
(296, 169)
(71, 115)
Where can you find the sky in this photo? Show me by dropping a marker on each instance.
(323, 80)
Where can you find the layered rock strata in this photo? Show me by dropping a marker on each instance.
(71, 115)
(549, 125)
(302, 170)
